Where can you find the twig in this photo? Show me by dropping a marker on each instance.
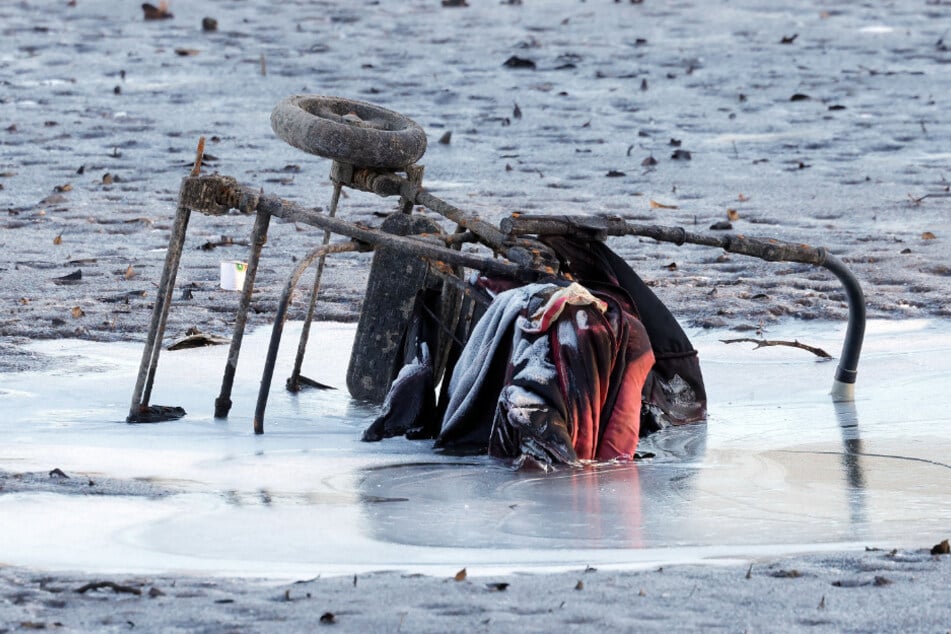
(764, 343)
(115, 587)
(199, 157)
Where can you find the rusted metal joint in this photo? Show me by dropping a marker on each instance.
(383, 184)
(216, 195)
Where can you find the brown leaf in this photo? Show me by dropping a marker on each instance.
(944, 548)
(160, 12)
(732, 215)
(23, 301)
(63, 188)
(197, 340)
(77, 312)
(461, 575)
(129, 273)
(58, 239)
(579, 585)
(107, 179)
(656, 205)
(927, 235)
(742, 198)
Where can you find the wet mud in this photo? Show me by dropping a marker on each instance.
(814, 124)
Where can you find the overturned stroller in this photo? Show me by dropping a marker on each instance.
(548, 349)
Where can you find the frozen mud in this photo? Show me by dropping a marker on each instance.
(813, 123)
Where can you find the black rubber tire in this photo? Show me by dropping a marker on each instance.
(349, 131)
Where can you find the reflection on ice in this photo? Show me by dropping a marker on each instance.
(778, 468)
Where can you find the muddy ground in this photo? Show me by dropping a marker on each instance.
(817, 123)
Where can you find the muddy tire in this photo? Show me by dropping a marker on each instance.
(349, 131)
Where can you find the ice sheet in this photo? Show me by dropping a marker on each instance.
(777, 469)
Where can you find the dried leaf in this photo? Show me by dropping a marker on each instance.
(58, 239)
(71, 278)
(129, 273)
(107, 179)
(732, 215)
(742, 198)
(63, 188)
(519, 62)
(461, 575)
(77, 312)
(160, 12)
(197, 340)
(579, 585)
(656, 205)
(944, 548)
(927, 235)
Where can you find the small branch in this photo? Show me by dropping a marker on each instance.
(764, 343)
(111, 585)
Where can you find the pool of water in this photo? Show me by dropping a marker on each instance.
(778, 468)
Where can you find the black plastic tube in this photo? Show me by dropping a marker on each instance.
(843, 388)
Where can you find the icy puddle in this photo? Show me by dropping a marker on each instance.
(778, 468)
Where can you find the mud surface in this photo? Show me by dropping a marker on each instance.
(882, 591)
(814, 123)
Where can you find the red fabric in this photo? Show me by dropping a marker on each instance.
(602, 378)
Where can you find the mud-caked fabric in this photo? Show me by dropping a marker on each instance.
(674, 392)
(576, 362)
